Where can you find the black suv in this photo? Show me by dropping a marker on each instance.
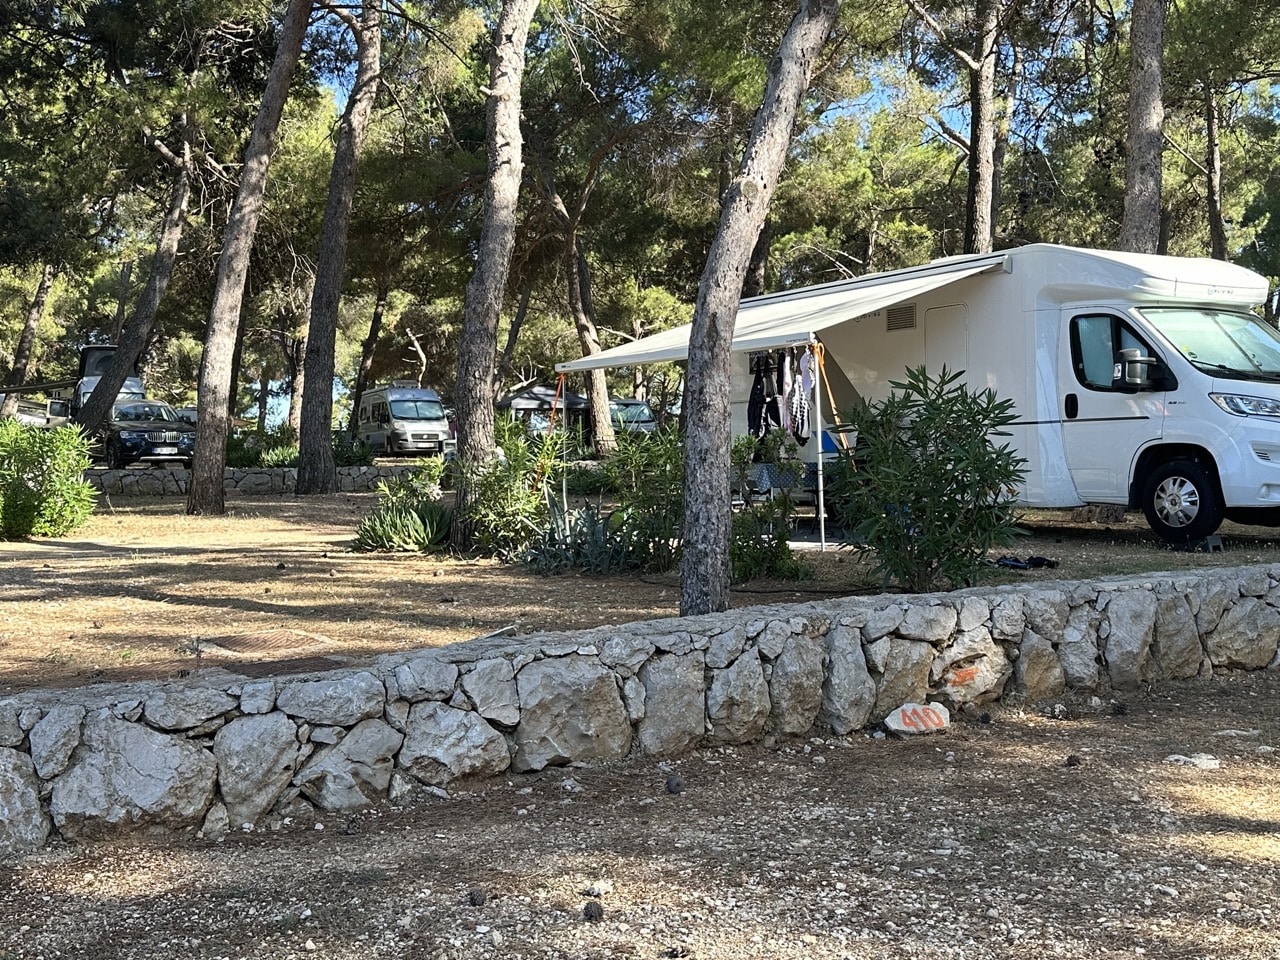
(145, 431)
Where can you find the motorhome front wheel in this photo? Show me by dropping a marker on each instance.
(1181, 502)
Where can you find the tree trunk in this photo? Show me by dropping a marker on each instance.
(477, 351)
(122, 300)
(264, 399)
(206, 490)
(317, 472)
(21, 368)
(757, 270)
(979, 227)
(513, 337)
(366, 358)
(1140, 228)
(704, 565)
(1213, 175)
(596, 385)
(136, 334)
(298, 377)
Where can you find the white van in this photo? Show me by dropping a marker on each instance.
(403, 418)
(1138, 380)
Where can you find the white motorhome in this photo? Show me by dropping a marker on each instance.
(1138, 380)
(403, 418)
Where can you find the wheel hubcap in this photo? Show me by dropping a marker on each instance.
(1177, 501)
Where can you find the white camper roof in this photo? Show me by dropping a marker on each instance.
(794, 316)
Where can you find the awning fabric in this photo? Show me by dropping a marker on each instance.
(792, 316)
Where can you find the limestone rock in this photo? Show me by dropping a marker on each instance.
(491, 685)
(974, 613)
(570, 710)
(1132, 617)
(258, 697)
(1176, 649)
(738, 700)
(257, 755)
(915, 718)
(341, 701)
(675, 704)
(425, 678)
(626, 654)
(774, 639)
(1245, 637)
(24, 826)
(125, 775)
(54, 738)
(1078, 649)
(355, 772)
(633, 698)
(442, 744)
(216, 823)
(882, 622)
(11, 733)
(1215, 596)
(932, 623)
(1037, 674)
(971, 669)
(1008, 617)
(904, 677)
(726, 647)
(795, 686)
(1047, 612)
(848, 693)
(181, 708)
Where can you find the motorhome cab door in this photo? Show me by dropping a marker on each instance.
(1112, 400)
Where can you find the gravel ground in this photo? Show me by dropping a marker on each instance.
(1021, 837)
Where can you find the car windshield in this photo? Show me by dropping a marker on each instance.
(143, 411)
(1236, 345)
(417, 410)
(631, 412)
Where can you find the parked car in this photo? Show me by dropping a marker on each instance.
(635, 416)
(144, 431)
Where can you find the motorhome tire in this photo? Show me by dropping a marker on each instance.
(1181, 502)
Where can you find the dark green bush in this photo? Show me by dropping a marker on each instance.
(351, 453)
(509, 502)
(585, 539)
(647, 472)
(928, 491)
(42, 487)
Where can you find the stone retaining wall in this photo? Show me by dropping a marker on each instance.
(156, 482)
(220, 751)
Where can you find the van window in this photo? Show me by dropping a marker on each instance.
(417, 409)
(1096, 342)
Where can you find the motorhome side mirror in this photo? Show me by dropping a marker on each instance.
(59, 408)
(1133, 370)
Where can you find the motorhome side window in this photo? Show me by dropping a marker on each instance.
(1096, 342)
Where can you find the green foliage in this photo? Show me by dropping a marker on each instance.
(279, 457)
(648, 474)
(42, 487)
(409, 516)
(930, 492)
(587, 477)
(242, 453)
(351, 453)
(759, 546)
(508, 501)
(586, 539)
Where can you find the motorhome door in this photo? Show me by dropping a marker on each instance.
(1112, 400)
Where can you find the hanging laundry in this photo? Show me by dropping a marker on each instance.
(800, 400)
(785, 387)
(762, 403)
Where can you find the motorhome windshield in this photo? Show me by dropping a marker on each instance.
(417, 410)
(1237, 346)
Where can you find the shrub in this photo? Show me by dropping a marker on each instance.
(585, 539)
(929, 492)
(279, 457)
(647, 471)
(42, 487)
(351, 453)
(508, 501)
(409, 516)
(242, 452)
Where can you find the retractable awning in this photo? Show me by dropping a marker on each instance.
(793, 316)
